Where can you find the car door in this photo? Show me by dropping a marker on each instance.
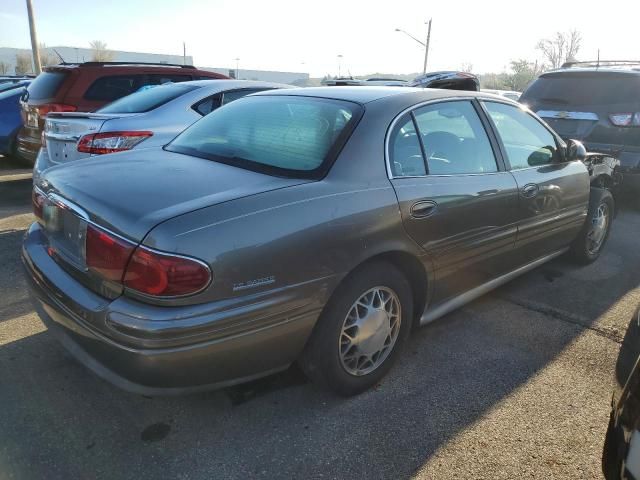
(553, 193)
(456, 199)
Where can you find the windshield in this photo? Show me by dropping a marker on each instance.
(148, 99)
(584, 89)
(281, 135)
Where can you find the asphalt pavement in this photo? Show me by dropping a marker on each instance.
(514, 385)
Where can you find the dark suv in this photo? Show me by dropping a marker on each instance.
(86, 87)
(597, 103)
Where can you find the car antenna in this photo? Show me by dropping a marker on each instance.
(60, 57)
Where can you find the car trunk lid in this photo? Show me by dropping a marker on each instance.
(132, 192)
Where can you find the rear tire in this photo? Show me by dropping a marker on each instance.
(361, 330)
(588, 245)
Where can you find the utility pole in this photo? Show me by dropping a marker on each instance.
(184, 53)
(426, 48)
(34, 40)
(237, 59)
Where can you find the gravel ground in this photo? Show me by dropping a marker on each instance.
(514, 385)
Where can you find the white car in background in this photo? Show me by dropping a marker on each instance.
(510, 94)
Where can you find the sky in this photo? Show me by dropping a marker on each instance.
(308, 36)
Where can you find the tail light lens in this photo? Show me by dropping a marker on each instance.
(110, 142)
(54, 107)
(107, 254)
(141, 269)
(159, 274)
(625, 119)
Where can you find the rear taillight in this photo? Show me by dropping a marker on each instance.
(106, 254)
(54, 107)
(141, 269)
(110, 142)
(38, 200)
(625, 119)
(165, 275)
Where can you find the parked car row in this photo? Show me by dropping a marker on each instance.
(86, 87)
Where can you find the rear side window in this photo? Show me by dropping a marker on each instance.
(454, 139)
(156, 79)
(405, 151)
(527, 142)
(147, 100)
(584, 89)
(108, 89)
(281, 135)
(208, 105)
(46, 85)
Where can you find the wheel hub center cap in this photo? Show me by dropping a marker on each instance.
(373, 330)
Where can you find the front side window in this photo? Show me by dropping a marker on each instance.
(527, 142)
(280, 135)
(454, 139)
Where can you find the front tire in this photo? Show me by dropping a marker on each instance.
(590, 241)
(361, 330)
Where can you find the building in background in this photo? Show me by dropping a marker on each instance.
(79, 55)
(291, 78)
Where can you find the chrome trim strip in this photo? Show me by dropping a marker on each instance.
(62, 136)
(466, 297)
(565, 115)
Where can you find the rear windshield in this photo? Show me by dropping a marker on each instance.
(46, 85)
(584, 89)
(147, 100)
(280, 135)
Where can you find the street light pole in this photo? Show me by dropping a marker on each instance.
(237, 67)
(339, 66)
(34, 39)
(426, 48)
(424, 44)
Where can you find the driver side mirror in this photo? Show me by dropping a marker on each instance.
(575, 151)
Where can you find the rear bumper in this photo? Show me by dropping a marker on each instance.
(27, 146)
(190, 349)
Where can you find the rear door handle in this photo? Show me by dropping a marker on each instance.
(423, 209)
(530, 190)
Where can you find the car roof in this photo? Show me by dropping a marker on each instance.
(628, 69)
(222, 84)
(366, 94)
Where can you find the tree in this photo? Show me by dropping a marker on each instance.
(23, 63)
(46, 57)
(100, 52)
(563, 47)
(523, 73)
(4, 68)
(466, 67)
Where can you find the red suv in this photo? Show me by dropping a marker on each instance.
(86, 87)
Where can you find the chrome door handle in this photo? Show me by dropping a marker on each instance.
(423, 209)
(530, 190)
